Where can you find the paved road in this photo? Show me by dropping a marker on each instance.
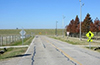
(47, 51)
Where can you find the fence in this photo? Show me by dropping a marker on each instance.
(6, 40)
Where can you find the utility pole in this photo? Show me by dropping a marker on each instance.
(56, 28)
(63, 26)
(80, 17)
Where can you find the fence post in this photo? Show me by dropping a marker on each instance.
(2, 40)
(9, 40)
(15, 37)
(19, 38)
(12, 38)
(6, 40)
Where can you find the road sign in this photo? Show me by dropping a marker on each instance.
(89, 34)
(22, 32)
(22, 36)
(40, 33)
(89, 40)
(67, 33)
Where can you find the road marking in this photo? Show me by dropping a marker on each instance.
(30, 45)
(64, 53)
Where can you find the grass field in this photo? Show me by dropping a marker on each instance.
(75, 41)
(29, 31)
(16, 52)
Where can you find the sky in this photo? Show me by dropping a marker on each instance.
(43, 14)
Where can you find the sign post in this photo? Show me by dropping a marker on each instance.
(67, 34)
(90, 35)
(22, 32)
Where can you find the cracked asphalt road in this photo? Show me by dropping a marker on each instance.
(48, 51)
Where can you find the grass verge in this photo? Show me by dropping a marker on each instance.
(15, 52)
(12, 52)
(92, 48)
(68, 41)
(26, 42)
(74, 41)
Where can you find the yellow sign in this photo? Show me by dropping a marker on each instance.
(40, 33)
(89, 40)
(89, 35)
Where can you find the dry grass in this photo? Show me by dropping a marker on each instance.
(29, 31)
(75, 41)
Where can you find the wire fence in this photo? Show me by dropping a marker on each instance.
(6, 40)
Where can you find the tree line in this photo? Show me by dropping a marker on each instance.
(86, 25)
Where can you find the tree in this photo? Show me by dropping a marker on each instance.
(73, 26)
(93, 28)
(78, 28)
(70, 26)
(97, 24)
(76, 24)
(86, 23)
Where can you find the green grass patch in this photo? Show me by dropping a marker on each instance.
(92, 48)
(26, 42)
(68, 41)
(15, 52)
(71, 42)
(74, 41)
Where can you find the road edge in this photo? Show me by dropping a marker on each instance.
(30, 45)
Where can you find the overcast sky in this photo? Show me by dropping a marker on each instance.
(43, 14)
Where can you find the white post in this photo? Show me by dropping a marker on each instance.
(63, 26)
(80, 19)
